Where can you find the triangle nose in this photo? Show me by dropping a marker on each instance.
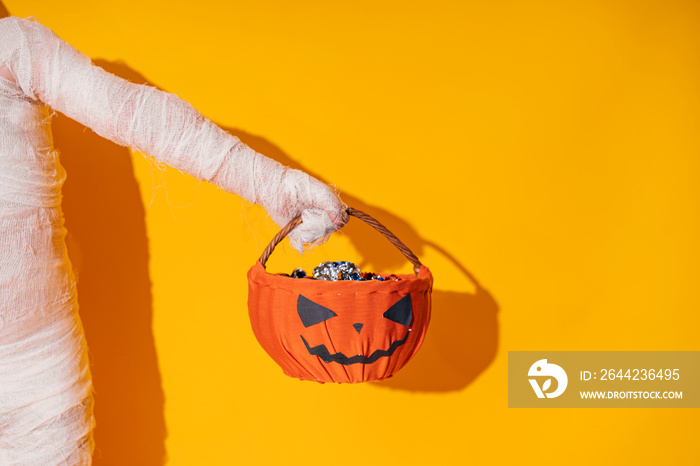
(358, 327)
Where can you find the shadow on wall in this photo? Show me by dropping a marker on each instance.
(109, 250)
(463, 337)
(108, 247)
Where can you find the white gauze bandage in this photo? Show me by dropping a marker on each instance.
(45, 388)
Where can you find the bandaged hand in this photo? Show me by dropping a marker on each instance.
(284, 193)
(167, 128)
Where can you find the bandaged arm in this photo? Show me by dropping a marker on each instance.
(164, 126)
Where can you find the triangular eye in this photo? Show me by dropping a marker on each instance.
(401, 312)
(311, 313)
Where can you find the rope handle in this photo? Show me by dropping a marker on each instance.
(371, 221)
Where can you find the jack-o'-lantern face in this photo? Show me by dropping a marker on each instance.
(393, 323)
(345, 332)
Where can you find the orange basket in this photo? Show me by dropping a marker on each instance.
(343, 331)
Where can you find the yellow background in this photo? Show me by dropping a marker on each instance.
(540, 157)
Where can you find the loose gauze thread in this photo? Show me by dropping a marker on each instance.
(45, 387)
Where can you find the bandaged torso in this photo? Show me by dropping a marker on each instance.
(44, 377)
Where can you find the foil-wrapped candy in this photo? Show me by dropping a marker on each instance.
(340, 270)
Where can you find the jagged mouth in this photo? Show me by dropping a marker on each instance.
(322, 352)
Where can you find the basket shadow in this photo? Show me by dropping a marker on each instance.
(461, 343)
(462, 340)
(108, 247)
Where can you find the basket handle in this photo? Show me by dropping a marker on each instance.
(371, 221)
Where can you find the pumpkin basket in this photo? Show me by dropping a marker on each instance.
(339, 331)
